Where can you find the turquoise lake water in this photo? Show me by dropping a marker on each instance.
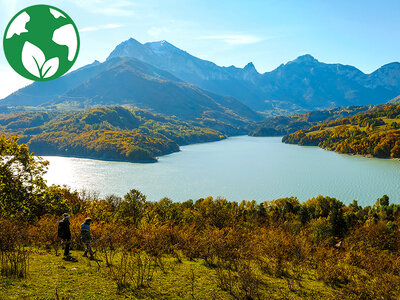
(239, 168)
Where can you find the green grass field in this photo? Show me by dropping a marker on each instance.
(51, 277)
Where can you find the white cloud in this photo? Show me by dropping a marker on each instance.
(113, 26)
(108, 26)
(89, 29)
(234, 39)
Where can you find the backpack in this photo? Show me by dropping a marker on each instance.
(85, 232)
(61, 229)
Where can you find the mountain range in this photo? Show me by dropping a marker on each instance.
(301, 84)
(165, 79)
(128, 81)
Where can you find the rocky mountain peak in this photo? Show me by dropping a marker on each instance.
(306, 58)
(250, 67)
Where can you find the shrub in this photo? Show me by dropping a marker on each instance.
(321, 229)
(134, 270)
(14, 256)
(241, 284)
(332, 273)
(44, 233)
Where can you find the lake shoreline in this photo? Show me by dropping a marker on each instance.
(349, 154)
(239, 168)
(130, 161)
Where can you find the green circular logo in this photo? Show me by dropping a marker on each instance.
(41, 42)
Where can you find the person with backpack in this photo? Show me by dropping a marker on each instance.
(86, 237)
(64, 233)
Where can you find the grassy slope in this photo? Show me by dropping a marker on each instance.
(50, 274)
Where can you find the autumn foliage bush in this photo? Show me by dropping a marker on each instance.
(241, 242)
(14, 256)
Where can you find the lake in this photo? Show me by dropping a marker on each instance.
(239, 168)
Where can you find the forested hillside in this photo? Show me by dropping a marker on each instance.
(374, 133)
(282, 125)
(106, 132)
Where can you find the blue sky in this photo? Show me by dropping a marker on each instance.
(363, 33)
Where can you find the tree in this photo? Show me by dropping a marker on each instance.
(131, 209)
(321, 229)
(384, 201)
(22, 187)
(336, 219)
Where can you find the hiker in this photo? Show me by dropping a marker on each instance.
(64, 233)
(86, 237)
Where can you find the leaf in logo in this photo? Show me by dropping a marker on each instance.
(50, 67)
(35, 62)
(32, 59)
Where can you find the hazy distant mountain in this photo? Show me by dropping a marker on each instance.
(387, 76)
(315, 85)
(302, 84)
(128, 81)
(395, 99)
(283, 125)
(42, 92)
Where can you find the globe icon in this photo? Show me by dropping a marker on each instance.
(41, 42)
